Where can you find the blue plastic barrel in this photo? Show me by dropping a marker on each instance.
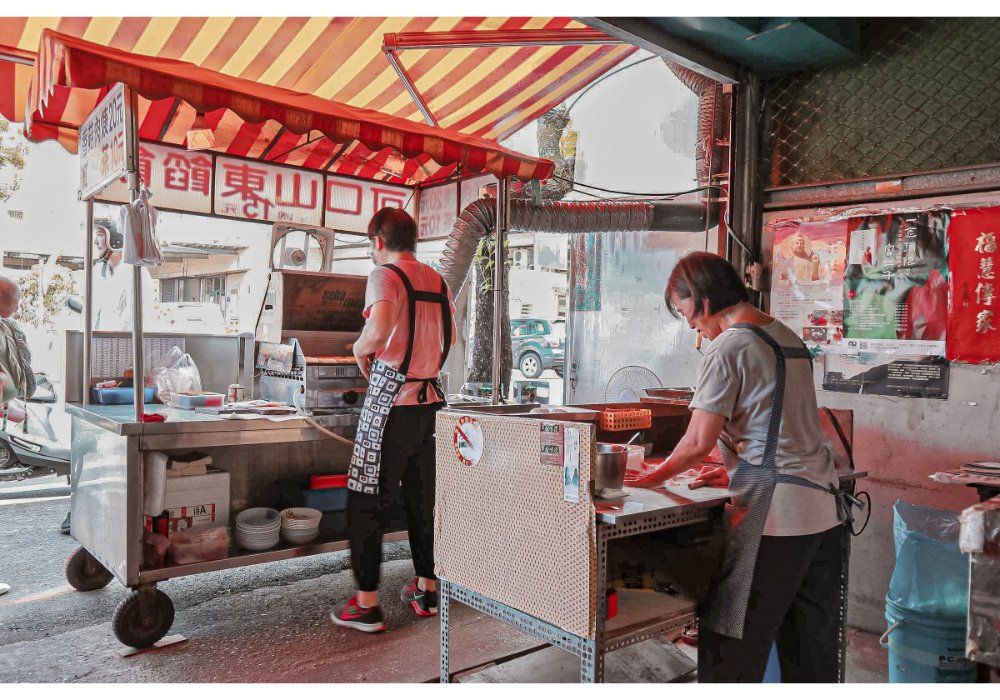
(772, 674)
(926, 648)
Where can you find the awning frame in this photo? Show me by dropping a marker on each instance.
(393, 43)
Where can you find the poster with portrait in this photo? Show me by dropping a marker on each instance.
(896, 283)
(807, 274)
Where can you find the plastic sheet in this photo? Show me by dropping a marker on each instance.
(931, 574)
(981, 537)
(175, 372)
(138, 225)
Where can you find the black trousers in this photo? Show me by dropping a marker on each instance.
(406, 473)
(794, 600)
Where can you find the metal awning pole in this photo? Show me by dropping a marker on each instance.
(132, 165)
(503, 207)
(88, 306)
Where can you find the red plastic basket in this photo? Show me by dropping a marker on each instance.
(328, 481)
(626, 419)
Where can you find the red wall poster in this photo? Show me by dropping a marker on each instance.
(974, 308)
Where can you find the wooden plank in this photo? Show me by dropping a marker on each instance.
(641, 608)
(651, 661)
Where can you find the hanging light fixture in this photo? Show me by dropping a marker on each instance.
(199, 136)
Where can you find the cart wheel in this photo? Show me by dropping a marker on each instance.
(128, 625)
(85, 573)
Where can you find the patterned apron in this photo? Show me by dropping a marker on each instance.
(752, 486)
(384, 385)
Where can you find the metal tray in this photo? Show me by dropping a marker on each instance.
(676, 393)
(577, 414)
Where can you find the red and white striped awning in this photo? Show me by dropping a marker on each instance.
(304, 92)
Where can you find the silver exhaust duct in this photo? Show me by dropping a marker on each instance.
(479, 220)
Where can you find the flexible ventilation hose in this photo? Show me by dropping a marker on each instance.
(479, 219)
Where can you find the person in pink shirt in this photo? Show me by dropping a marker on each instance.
(409, 330)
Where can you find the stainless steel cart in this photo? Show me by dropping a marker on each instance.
(109, 449)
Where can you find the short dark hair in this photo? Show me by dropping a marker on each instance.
(701, 276)
(395, 227)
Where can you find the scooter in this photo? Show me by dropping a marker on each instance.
(30, 449)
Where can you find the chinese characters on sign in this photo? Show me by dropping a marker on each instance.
(184, 181)
(102, 143)
(350, 204)
(177, 178)
(986, 245)
(973, 324)
(267, 192)
(439, 209)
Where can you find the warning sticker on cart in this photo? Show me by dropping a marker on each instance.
(571, 466)
(551, 444)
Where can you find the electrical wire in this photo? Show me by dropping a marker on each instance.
(309, 419)
(638, 194)
(868, 498)
(603, 78)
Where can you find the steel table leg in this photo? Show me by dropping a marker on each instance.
(443, 606)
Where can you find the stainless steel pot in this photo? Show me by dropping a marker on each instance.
(609, 468)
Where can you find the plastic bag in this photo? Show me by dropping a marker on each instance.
(931, 574)
(138, 224)
(174, 373)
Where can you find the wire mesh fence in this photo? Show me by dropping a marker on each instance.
(924, 94)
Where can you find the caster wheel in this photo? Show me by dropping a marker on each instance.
(129, 627)
(85, 573)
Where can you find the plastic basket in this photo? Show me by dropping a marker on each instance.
(626, 419)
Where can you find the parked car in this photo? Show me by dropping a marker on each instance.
(536, 346)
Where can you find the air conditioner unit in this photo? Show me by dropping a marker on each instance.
(522, 258)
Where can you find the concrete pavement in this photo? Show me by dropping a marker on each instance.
(260, 624)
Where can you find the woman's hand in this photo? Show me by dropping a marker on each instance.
(717, 477)
(365, 363)
(651, 475)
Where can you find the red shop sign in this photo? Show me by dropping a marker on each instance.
(974, 303)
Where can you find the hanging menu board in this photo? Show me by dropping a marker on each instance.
(102, 143)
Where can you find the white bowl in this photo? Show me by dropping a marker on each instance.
(257, 544)
(300, 518)
(298, 537)
(258, 519)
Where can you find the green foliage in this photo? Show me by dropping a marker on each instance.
(12, 153)
(483, 261)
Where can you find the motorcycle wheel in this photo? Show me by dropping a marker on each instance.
(128, 626)
(7, 457)
(85, 573)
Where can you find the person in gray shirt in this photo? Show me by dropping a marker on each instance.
(755, 397)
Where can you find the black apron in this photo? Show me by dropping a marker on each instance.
(384, 385)
(752, 486)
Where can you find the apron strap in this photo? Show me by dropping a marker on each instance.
(843, 499)
(777, 396)
(414, 296)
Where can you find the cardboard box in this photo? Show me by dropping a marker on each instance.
(202, 499)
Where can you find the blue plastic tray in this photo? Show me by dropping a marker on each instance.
(325, 500)
(120, 395)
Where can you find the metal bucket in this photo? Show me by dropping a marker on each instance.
(609, 467)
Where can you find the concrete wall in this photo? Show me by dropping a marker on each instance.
(902, 441)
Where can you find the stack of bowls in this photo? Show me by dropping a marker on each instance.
(300, 525)
(258, 529)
